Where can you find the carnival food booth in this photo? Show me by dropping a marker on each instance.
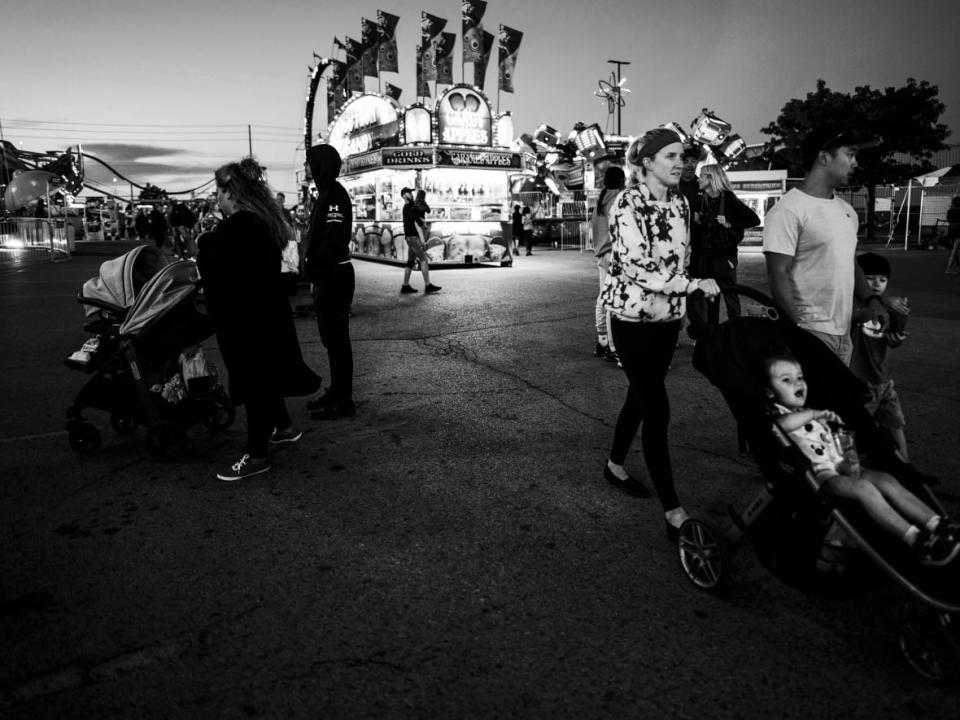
(458, 152)
(759, 189)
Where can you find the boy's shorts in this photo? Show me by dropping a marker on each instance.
(884, 405)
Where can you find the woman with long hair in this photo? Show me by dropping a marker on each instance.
(645, 293)
(718, 225)
(240, 266)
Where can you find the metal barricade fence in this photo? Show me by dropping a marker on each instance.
(28, 239)
(574, 235)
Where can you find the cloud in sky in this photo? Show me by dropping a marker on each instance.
(176, 168)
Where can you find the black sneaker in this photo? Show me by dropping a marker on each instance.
(610, 356)
(407, 290)
(319, 401)
(933, 548)
(630, 486)
(599, 350)
(334, 411)
(432, 288)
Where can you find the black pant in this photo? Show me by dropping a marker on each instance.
(333, 288)
(528, 240)
(700, 311)
(645, 351)
(264, 413)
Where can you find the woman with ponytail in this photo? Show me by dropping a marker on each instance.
(240, 269)
(645, 293)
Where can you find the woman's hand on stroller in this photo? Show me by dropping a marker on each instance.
(709, 287)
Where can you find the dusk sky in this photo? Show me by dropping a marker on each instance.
(165, 92)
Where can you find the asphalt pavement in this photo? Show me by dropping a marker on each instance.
(452, 551)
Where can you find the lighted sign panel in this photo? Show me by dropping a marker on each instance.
(407, 157)
(478, 159)
(416, 124)
(366, 122)
(359, 163)
(463, 118)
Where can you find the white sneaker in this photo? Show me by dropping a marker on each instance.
(246, 466)
(281, 437)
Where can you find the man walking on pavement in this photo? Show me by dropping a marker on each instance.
(328, 267)
(810, 240)
(416, 245)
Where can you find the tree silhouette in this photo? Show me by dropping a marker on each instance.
(152, 192)
(904, 119)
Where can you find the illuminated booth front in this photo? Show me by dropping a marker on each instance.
(458, 153)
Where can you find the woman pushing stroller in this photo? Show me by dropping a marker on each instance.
(935, 539)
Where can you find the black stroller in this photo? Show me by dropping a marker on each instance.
(816, 542)
(144, 312)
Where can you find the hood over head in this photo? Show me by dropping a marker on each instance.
(324, 162)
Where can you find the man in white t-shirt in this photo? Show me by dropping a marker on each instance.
(810, 239)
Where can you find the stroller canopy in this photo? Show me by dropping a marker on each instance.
(163, 291)
(121, 279)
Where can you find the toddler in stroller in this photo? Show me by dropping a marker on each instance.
(146, 366)
(837, 468)
(822, 542)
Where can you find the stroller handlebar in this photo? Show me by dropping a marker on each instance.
(774, 311)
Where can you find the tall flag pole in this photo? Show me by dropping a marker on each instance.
(509, 46)
(354, 51)
(370, 40)
(444, 55)
(480, 66)
(387, 25)
(471, 17)
(423, 85)
(430, 28)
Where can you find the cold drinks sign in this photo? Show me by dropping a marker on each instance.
(463, 118)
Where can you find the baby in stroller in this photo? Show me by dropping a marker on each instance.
(935, 539)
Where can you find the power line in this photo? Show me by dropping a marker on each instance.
(147, 125)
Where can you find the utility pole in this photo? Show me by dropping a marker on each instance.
(249, 141)
(618, 63)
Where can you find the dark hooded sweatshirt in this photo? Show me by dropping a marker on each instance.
(331, 221)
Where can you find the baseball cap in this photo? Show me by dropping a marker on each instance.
(830, 137)
(406, 190)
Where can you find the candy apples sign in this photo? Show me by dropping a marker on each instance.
(463, 117)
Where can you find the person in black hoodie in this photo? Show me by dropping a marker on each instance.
(239, 264)
(327, 266)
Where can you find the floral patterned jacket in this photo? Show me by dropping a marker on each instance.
(647, 279)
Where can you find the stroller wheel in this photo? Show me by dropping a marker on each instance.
(927, 648)
(121, 424)
(222, 414)
(166, 441)
(84, 438)
(703, 555)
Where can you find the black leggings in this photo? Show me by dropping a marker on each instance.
(264, 414)
(645, 351)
